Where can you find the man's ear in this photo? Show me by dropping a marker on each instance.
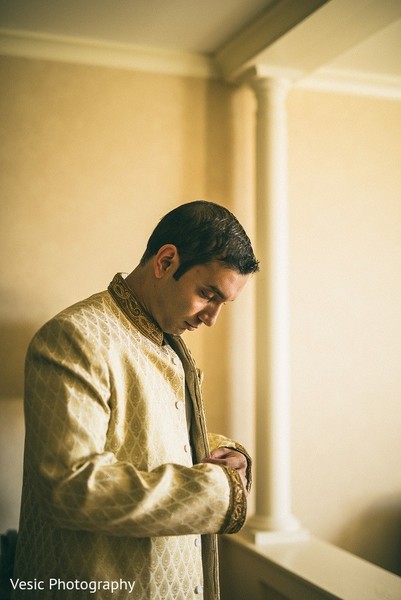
(166, 260)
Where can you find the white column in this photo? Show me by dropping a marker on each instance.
(273, 518)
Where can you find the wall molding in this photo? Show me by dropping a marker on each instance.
(330, 80)
(45, 46)
(353, 82)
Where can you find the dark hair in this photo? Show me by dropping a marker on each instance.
(202, 232)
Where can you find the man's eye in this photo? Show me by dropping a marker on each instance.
(206, 295)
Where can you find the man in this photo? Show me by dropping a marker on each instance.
(123, 487)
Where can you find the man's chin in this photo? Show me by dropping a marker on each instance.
(176, 331)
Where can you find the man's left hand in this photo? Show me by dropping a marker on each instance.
(228, 457)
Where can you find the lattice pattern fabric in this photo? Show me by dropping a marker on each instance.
(110, 489)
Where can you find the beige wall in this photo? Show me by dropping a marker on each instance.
(345, 231)
(94, 156)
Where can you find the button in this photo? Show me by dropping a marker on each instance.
(179, 404)
(198, 589)
(186, 448)
(197, 542)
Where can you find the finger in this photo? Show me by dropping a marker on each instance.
(219, 453)
(230, 453)
(230, 461)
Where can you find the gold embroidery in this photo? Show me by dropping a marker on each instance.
(236, 513)
(125, 298)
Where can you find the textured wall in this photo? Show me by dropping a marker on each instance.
(345, 182)
(91, 159)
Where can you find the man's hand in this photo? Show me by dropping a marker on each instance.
(227, 457)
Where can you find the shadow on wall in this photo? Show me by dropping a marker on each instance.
(11, 459)
(15, 339)
(14, 343)
(376, 535)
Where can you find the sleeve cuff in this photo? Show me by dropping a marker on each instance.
(241, 449)
(236, 513)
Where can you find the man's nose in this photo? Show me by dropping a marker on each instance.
(209, 315)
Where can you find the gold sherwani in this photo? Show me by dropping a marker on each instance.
(113, 489)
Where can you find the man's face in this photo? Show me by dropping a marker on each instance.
(196, 298)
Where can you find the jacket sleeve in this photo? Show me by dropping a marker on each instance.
(75, 476)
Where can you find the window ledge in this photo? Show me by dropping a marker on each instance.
(310, 569)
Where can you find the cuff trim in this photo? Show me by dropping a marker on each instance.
(236, 513)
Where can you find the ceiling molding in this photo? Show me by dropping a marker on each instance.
(331, 80)
(132, 57)
(353, 82)
(106, 54)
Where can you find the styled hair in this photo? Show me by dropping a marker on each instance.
(203, 232)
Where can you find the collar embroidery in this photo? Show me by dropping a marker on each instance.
(126, 300)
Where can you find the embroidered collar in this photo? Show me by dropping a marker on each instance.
(126, 300)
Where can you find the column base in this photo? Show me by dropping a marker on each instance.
(261, 530)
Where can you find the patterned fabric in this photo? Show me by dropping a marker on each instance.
(112, 491)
